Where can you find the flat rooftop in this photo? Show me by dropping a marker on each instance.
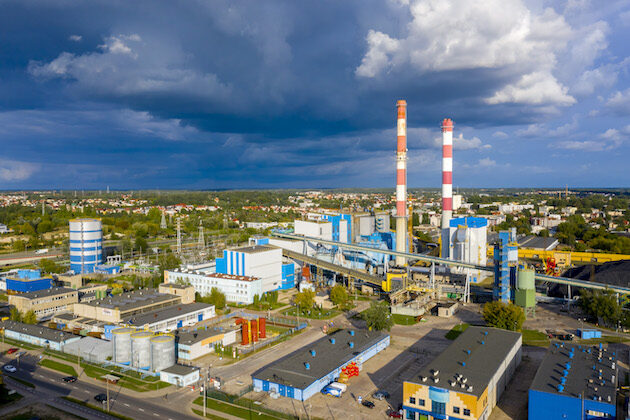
(217, 275)
(37, 331)
(180, 370)
(131, 300)
(538, 242)
(476, 354)
(53, 291)
(175, 285)
(291, 370)
(254, 249)
(188, 336)
(581, 378)
(165, 314)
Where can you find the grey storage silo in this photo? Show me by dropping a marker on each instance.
(122, 345)
(141, 349)
(162, 352)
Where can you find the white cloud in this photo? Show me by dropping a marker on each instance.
(604, 76)
(536, 88)
(500, 134)
(611, 139)
(620, 102)
(75, 38)
(486, 162)
(462, 34)
(15, 170)
(120, 44)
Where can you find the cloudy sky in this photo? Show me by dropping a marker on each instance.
(269, 94)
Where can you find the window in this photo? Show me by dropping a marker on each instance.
(410, 415)
(456, 410)
(421, 402)
(466, 412)
(412, 400)
(438, 407)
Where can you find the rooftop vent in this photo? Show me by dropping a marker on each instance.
(470, 388)
(352, 333)
(436, 380)
(435, 372)
(351, 344)
(332, 341)
(424, 378)
(313, 353)
(307, 366)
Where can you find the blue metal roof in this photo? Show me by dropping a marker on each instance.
(473, 222)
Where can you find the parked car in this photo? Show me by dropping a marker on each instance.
(380, 395)
(70, 379)
(102, 398)
(329, 390)
(12, 350)
(10, 368)
(367, 403)
(393, 414)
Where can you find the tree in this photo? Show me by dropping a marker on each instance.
(377, 317)
(15, 315)
(506, 316)
(49, 266)
(141, 244)
(272, 297)
(217, 298)
(44, 227)
(339, 295)
(425, 219)
(30, 317)
(305, 300)
(600, 306)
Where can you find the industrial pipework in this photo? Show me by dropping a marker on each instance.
(447, 183)
(401, 183)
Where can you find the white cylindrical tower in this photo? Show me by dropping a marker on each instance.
(86, 245)
(162, 352)
(447, 184)
(401, 182)
(141, 349)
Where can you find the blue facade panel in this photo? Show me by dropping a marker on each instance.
(29, 274)
(26, 285)
(221, 264)
(86, 268)
(551, 406)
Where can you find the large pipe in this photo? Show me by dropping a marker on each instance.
(447, 183)
(401, 182)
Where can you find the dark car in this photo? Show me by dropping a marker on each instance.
(70, 379)
(367, 403)
(393, 414)
(102, 398)
(381, 395)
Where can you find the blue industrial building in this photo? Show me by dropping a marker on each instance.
(336, 220)
(307, 371)
(288, 276)
(28, 281)
(574, 382)
(505, 259)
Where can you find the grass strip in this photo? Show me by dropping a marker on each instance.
(97, 408)
(535, 338)
(208, 415)
(60, 367)
(237, 411)
(456, 331)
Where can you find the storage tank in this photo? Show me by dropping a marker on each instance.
(525, 280)
(122, 345)
(141, 349)
(162, 352)
(86, 245)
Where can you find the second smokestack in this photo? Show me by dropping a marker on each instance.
(447, 183)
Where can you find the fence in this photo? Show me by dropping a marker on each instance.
(272, 340)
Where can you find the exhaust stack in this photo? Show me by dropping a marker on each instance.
(447, 183)
(401, 182)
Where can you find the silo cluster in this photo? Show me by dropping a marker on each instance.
(143, 349)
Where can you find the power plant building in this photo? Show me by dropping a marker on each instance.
(467, 379)
(467, 242)
(238, 289)
(260, 261)
(86, 245)
(28, 280)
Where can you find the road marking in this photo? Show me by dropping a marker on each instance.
(86, 391)
(156, 414)
(74, 387)
(126, 405)
(141, 409)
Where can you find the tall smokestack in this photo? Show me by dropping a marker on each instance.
(447, 183)
(401, 183)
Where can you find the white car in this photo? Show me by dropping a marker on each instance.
(10, 368)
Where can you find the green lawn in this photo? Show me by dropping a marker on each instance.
(208, 415)
(313, 313)
(20, 344)
(60, 367)
(404, 319)
(456, 331)
(97, 408)
(125, 381)
(535, 338)
(238, 411)
(605, 339)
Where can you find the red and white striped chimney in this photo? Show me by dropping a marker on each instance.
(447, 181)
(401, 182)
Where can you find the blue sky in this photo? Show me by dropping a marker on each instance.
(251, 94)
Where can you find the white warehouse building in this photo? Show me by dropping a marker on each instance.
(467, 241)
(238, 289)
(263, 262)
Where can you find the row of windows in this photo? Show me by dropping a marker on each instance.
(437, 407)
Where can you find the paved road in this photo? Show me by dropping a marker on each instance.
(50, 384)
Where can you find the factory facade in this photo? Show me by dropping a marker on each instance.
(260, 261)
(28, 281)
(575, 382)
(37, 335)
(467, 379)
(307, 371)
(238, 289)
(467, 241)
(195, 343)
(46, 303)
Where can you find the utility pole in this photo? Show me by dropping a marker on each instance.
(179, 236)
(107, 381)
(201, 241)
(205, 377)
(163, 222)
